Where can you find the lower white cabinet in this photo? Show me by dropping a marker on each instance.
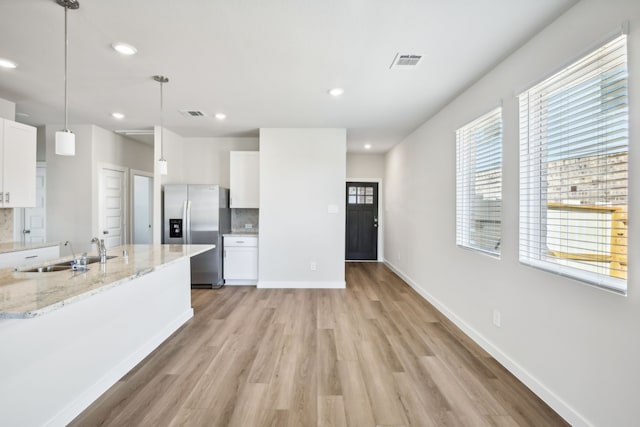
(240, 266)
(28, 256)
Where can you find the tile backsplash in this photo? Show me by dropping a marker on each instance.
(6, 225)
(240, 217)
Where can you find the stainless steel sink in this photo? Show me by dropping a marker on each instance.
(60, 266)
(90, 260)
(46, 269)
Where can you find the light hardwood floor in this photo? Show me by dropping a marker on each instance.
(375, 354)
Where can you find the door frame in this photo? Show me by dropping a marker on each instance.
(132, 173)
(18, 213)
(125, 175)
(381, 211)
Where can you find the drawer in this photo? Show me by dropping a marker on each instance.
(233, 241)
(29, 256)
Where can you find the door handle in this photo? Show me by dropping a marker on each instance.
(26, 231)
(188, 240)
(6, 197)
(105, 231)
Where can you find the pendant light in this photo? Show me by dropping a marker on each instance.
(162, 162)
(65, 139)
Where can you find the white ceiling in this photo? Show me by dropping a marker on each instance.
(263, 63)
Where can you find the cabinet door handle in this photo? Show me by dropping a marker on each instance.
(32, 256)
(6, 197)
(224, 253)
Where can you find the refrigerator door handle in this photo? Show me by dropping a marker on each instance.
(185, 230)
(189, 240)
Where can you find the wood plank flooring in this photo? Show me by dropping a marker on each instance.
(374, 354)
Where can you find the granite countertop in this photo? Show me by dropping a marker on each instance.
(7, 247)
(25, 295)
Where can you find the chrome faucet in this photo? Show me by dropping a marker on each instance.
(68, 243)
(102, 249)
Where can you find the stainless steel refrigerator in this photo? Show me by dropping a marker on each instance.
(198, 214)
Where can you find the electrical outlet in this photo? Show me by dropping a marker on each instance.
(496, 318)
(248, 226)
(313, 266)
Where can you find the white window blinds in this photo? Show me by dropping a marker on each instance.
(479, 183)
(573, 170)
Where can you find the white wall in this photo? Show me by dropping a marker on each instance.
(110, 148)
(365, 165)
(72, 181)
(195, 161)
(574, 345)
(204, 160)
(69, 197)
(7, 109)
(370, 168)
(302, 172)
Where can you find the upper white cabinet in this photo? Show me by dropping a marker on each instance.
(17, 165)
(245, 179)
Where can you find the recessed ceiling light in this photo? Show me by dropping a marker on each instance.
(221, 116)
(118, 116)
(124, 48)
(367, 146)
(5, 63)
(336, 91)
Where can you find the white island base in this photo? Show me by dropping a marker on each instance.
(54, 365)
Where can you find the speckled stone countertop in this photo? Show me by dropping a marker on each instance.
(7, 247)
(25, 295)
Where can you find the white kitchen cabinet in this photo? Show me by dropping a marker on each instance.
(244, 180)
(28, 256)
(240, 265)
(17, 165)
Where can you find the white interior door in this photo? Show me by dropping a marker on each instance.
(142, 208)
(35, 219)
(112, 206)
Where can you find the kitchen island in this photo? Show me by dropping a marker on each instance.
(68, 336)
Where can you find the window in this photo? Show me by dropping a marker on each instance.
(573, 170)
(479, 183)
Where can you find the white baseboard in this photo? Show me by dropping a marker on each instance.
(241, 282)
(548, 396)
(300, 285)
(83, 401)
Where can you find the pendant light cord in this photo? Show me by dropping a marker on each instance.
(66, 60)
(161, 122)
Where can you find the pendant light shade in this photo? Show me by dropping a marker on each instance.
(65, 139)
(162, 166)
(65, 143)
(162, 162)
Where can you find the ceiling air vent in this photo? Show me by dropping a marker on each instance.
(193, 113)
(405, 61)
